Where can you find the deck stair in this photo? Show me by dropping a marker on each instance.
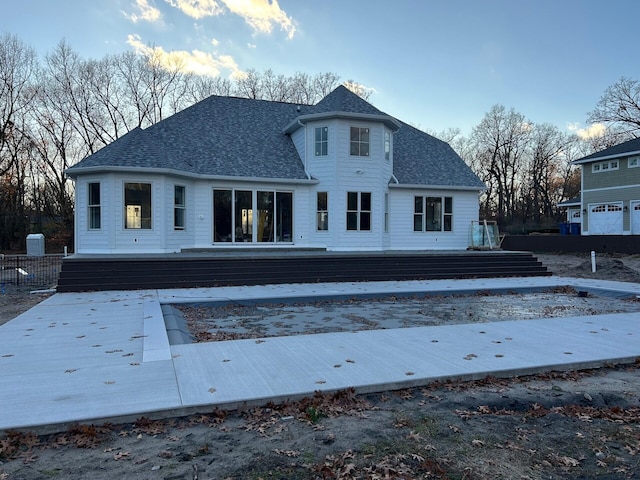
(208, 269)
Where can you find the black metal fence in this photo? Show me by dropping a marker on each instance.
(30, 271)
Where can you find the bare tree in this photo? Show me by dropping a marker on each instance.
(619, 108)
(17, 88)
(500, 142)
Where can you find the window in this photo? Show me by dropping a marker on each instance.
(179, 206)
(433, 214)
(633, 162)
(322, 210)
(321, 141)
(605, 166)
(359, 211)
(94, 206)
(386, 213)
(387, 145)
(137, 205)
(359, 143)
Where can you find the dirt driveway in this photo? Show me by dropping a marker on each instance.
(562, 425)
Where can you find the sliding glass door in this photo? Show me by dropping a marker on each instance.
(255, 216)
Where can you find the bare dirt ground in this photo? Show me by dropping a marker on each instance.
(582, 424)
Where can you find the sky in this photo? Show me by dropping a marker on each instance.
(435, 64)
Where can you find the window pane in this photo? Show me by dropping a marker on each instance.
(244, 216)
(352, 220)
(94, 217)
(354, 149)
(265, 216)
(322, 201)
(178, 195)
(352, 200)
(434, 214)
(365, 201)
(94, 194)
(364, 149)
(222, 216)
(284, 212)
(418, 205)
(323, 220)
(447, 223)
(178, 218)
(448, 205)
(365, 221)
(417, 223)
(355, 134)
(364, 135)
(137, 201)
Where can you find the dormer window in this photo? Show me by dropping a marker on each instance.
(359, 143)
(321, 141)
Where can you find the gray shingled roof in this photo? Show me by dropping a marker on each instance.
(625, 148)
(239, 137)
(421, 159)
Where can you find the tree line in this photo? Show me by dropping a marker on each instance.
(58, 109)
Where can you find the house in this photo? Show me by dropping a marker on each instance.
(233, 173)
(610, 197)
(574, 215)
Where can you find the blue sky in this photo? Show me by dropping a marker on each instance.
(432, 63)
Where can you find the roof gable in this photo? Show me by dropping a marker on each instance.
(344, 100)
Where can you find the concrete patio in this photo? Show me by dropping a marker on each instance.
(105, 356)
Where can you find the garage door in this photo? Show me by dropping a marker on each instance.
(635, 218)
(605, 219)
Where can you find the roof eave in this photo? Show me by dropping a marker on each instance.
(180, 173)
(606, 157)
(413, 186)
(389, 121)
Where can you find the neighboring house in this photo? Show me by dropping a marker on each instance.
(610, 199)
(574, 210)
(235, 172)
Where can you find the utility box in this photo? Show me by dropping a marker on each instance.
(35, 245)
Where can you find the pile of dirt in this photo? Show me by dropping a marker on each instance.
(606, 269)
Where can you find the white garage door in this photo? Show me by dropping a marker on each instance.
(605, 219)
(635, 218)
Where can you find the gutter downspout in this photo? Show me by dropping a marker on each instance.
(395, 179)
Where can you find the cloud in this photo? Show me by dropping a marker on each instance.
(195, 61)
(594, 130)
(215, 42)
(251, 45)
(261, 15)
(145, 13)
(197, 8)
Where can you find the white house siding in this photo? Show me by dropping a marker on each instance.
(176, 240)
(339, 173)
(465, 210)
(93, 240)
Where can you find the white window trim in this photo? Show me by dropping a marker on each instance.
(606, 166)
(182, 207)
(368, 142)
(320, 142)
(141, 230)
(91, 206)
(637, 162)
